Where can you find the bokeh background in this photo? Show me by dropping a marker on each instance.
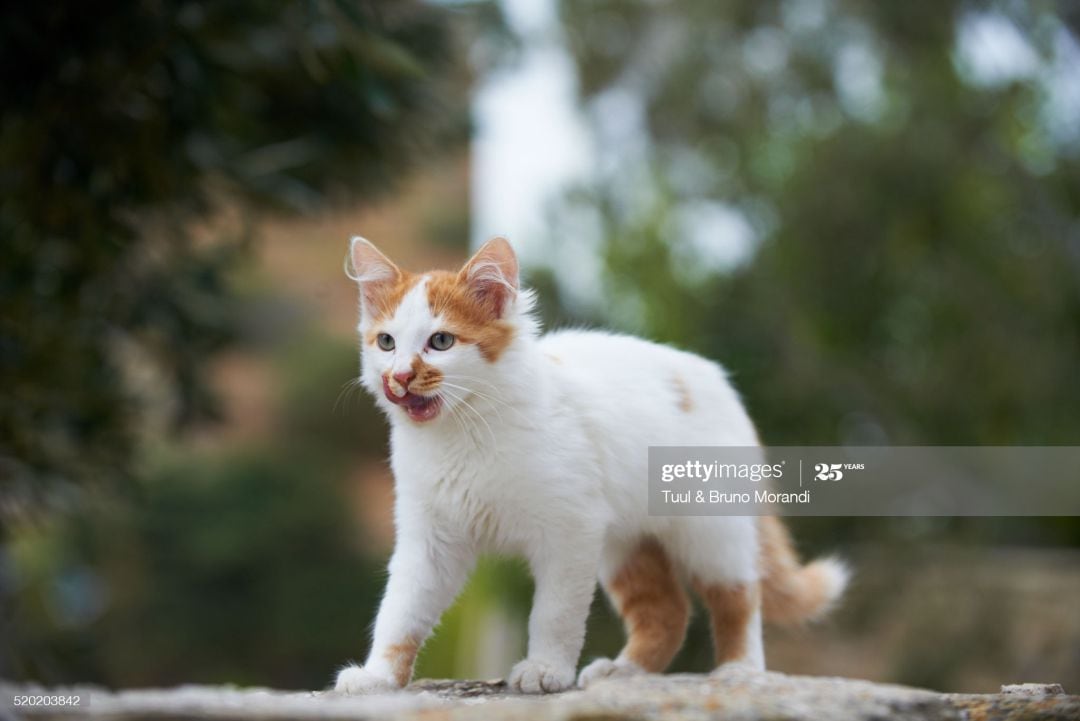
(870, 212)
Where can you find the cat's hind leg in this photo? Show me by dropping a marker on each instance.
(642, 584)
(720, 554)
(735, 616)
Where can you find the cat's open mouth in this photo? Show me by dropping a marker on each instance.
(419, 408)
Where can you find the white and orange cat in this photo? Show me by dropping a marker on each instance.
(506, 441)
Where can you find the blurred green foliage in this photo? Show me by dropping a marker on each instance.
(900, 265)
(866, 211)
(903, 256)
(214, 574)
(905, 260)
(123, 126)
(239, 565)
(322, 408)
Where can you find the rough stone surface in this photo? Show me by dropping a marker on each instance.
(730, 693)
(1033, 689)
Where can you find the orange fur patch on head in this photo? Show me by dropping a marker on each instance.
(682, 394)
(730, 608)
(468, 317)
(653, 605)
(555, 359)
(382, 298)
(428, 377)
(401, 657)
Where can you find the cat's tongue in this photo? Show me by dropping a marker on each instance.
(420, 408)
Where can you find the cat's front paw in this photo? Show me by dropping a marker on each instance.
(356, 680)
(603, 668)
(530, 676)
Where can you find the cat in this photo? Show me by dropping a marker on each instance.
(506, 441)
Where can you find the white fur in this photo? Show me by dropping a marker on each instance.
(543, 454)
(837, 576)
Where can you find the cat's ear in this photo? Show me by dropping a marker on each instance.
(492, 275)
(374, 273)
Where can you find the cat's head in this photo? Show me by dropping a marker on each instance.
(429, 340)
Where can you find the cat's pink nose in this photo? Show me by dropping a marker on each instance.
(404, 378)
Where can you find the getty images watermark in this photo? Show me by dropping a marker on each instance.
(864, 480)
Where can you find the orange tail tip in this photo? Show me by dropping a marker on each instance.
(793, 593)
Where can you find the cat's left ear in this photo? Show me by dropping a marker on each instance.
(492, 275)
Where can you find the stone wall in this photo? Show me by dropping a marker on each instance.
(730, 693)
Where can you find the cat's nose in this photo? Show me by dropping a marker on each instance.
(404, 378)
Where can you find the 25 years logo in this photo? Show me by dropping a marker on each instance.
(834, 471)
(828, 471)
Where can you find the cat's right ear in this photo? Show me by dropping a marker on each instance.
(373, 272)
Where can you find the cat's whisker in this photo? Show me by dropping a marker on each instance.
(472, 391)
(520, 415)
(493, 399)
(492, 393)
(475, 412)
(471, 429)
(348, 389)
(487, 425)
(481, 394)
(468, 427)
(462, 377)
(454, 411)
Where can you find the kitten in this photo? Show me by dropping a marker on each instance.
(505, 441)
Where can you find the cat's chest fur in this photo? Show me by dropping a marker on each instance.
(474, 490)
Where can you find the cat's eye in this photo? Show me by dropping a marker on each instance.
(385, 341)
(441, 340)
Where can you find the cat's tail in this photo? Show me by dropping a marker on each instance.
(791, 592)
